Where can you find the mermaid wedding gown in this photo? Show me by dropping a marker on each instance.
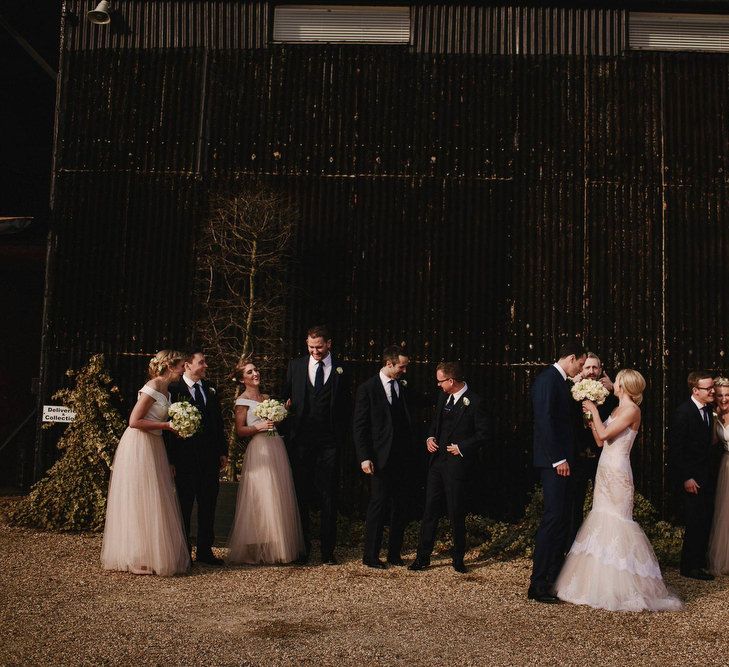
(611, 564)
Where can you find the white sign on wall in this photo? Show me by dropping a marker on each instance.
(58, 413)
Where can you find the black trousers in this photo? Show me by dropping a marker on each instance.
(387, 500)
(201, 486)
(441, 489)
(698, 513)
(583, 471)
(316, 473)
(551, 535)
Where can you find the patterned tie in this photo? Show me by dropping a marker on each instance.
(319, 377)
(393, 393)
(197, 395)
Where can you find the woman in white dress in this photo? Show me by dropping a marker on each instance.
(143, 531)
(611, 564)
(719, 541)
(267, 526)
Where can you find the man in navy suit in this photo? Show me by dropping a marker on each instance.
(459, 428)
(317, 386)
(554, 450)
(383, 441)
(691, 455)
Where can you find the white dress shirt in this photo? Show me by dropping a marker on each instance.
(386, 385)
(190, 384)
(314, 364)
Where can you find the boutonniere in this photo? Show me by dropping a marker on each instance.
(403, 383)
(715, 415)
(339, 370)
(466, 402)
(211, 390)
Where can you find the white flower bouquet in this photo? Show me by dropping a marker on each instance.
(272, 410)
(591, 390)
(186, 418)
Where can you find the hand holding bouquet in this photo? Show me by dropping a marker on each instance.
(589, 390)
(271, 410)
(186, 418)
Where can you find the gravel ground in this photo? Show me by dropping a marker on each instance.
(58, 607)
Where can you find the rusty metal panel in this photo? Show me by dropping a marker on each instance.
(524, 30)
(141, 24)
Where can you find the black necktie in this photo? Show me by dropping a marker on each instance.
(707, 419)
(393, 393)
(450, 403)
(319, 377)
(197, 395)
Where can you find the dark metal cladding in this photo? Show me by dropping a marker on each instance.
(512, 178)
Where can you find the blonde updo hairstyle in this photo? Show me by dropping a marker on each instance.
(633, 384)
(163, 361)
(237, 374)
(721, 382)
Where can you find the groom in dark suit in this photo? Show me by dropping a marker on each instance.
(199, 459)
(383, 441)
(459, 428)
(318, 391)
(554, 451)
(691, 455)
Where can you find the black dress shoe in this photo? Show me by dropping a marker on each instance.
(698, 573)
(303, 559)
(329, 560)
(210, 559)
(377, 564)
(542, 595)
(458, 566)
(396, 561)
(418, 565)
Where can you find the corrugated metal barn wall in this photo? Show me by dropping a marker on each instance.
(474, 205)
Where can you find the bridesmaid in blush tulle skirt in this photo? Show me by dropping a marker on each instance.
(143, 531)
(719, 542)
(267, 526)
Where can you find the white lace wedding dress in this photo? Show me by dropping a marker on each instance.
(611, 564)
(267, 526)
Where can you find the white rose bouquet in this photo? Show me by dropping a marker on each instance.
(272, 410)
(591, 390)
(186, 418)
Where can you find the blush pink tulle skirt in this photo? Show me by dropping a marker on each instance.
(143, 532)
(719, 542)
(267, 526)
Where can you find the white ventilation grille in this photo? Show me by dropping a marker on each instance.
(341, 23)
(678, 32)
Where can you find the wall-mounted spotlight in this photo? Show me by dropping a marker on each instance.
(100, 15)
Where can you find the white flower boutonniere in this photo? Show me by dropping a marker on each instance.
(211, 390)
(339, 370)
(466, 402)
(404, 383)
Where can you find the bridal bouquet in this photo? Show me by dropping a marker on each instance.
(272, 410)
(591, 390)
(186, 418)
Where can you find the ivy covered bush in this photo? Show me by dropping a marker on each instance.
(72, 495)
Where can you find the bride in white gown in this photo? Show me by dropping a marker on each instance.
(267, 526)
(611, 564)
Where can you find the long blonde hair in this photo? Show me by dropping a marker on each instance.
(633, 383)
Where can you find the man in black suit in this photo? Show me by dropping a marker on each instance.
(199, 459)
(383, 442)
(554, 450)
(691, 454)
(459, 428)
(317, 388)
(587, 455)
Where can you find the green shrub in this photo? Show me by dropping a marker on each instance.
(72, 495)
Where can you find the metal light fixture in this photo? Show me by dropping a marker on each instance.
(100, 15)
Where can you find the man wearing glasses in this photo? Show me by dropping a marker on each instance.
(457, 431)
(689, 441)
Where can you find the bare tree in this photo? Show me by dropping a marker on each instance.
(243, 254)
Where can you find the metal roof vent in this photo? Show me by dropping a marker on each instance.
(358, 24)
(678, 32)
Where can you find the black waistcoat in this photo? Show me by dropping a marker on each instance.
(317, 417)
(447, 417)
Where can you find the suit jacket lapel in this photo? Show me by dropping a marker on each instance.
(334, 377)
(459, 408)
(303, 375)
(380, 391)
